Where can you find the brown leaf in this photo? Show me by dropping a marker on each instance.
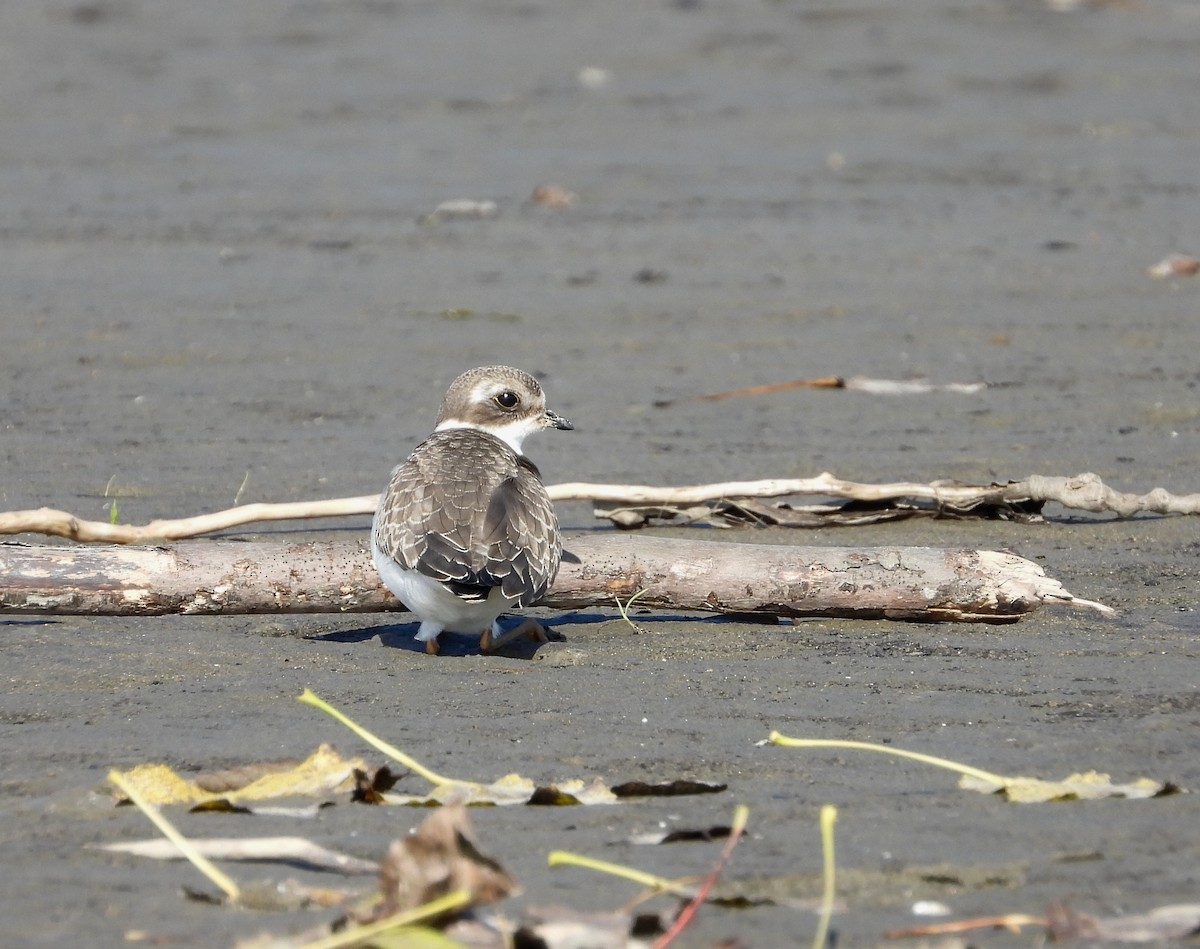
(371, 784)
(438, 858)
(667, 789)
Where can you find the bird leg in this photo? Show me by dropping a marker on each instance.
(530, 628)
(431, 647)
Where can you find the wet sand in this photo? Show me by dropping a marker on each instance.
(218, 286)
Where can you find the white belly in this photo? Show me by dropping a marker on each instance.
(436, 607)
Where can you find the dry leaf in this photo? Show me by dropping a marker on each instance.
(323, 772)
(1087, 786)
(439, 857)
(675, 788)
(371, 784)
(510, 789)
(515, 789)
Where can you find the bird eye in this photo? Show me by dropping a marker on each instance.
(507, 399)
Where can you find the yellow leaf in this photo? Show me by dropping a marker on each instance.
(323, 772)
(159, 785)
(1087, 786)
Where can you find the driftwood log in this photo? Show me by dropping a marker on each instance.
(227, 577)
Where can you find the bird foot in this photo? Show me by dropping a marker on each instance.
(431, 647)
(531, 629)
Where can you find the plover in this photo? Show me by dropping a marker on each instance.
(465, 530)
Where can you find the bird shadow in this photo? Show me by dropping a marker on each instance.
(403, 635)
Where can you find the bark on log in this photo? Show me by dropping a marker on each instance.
(914, 583)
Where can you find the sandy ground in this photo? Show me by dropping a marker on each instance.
(217, 285)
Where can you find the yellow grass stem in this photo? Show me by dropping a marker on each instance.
(198, 860)
(624, 610)
(359, 934)
(308, 697)
(563, 857)
(828, 819)
(777, 739)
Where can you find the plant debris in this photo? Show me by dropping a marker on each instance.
(1084, 786)
(1089, 785)
(682, 835)
(438, 858)
(460, 208)
(323, 772)
(667, 789)
(292, 850)
(553, 196)
(1084, 492)
(1175, 265)
(1180, 921)
(749, 512)
(1063, 924)
(854, 383)
(377, 787)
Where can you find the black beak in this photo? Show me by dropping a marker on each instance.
(557, 421)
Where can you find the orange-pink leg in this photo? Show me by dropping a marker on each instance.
(530, 628)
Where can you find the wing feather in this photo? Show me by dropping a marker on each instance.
(468, 511)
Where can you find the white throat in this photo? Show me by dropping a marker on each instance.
(511, 433)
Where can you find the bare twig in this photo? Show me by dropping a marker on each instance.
(1010, 921)
(736, 829)
(1083, 492)
(56, 523)
(254, 849)
(859, 383)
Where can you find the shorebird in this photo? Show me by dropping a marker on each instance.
(465, 530)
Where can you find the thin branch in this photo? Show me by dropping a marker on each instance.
(1083, 492)
(56, 523)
